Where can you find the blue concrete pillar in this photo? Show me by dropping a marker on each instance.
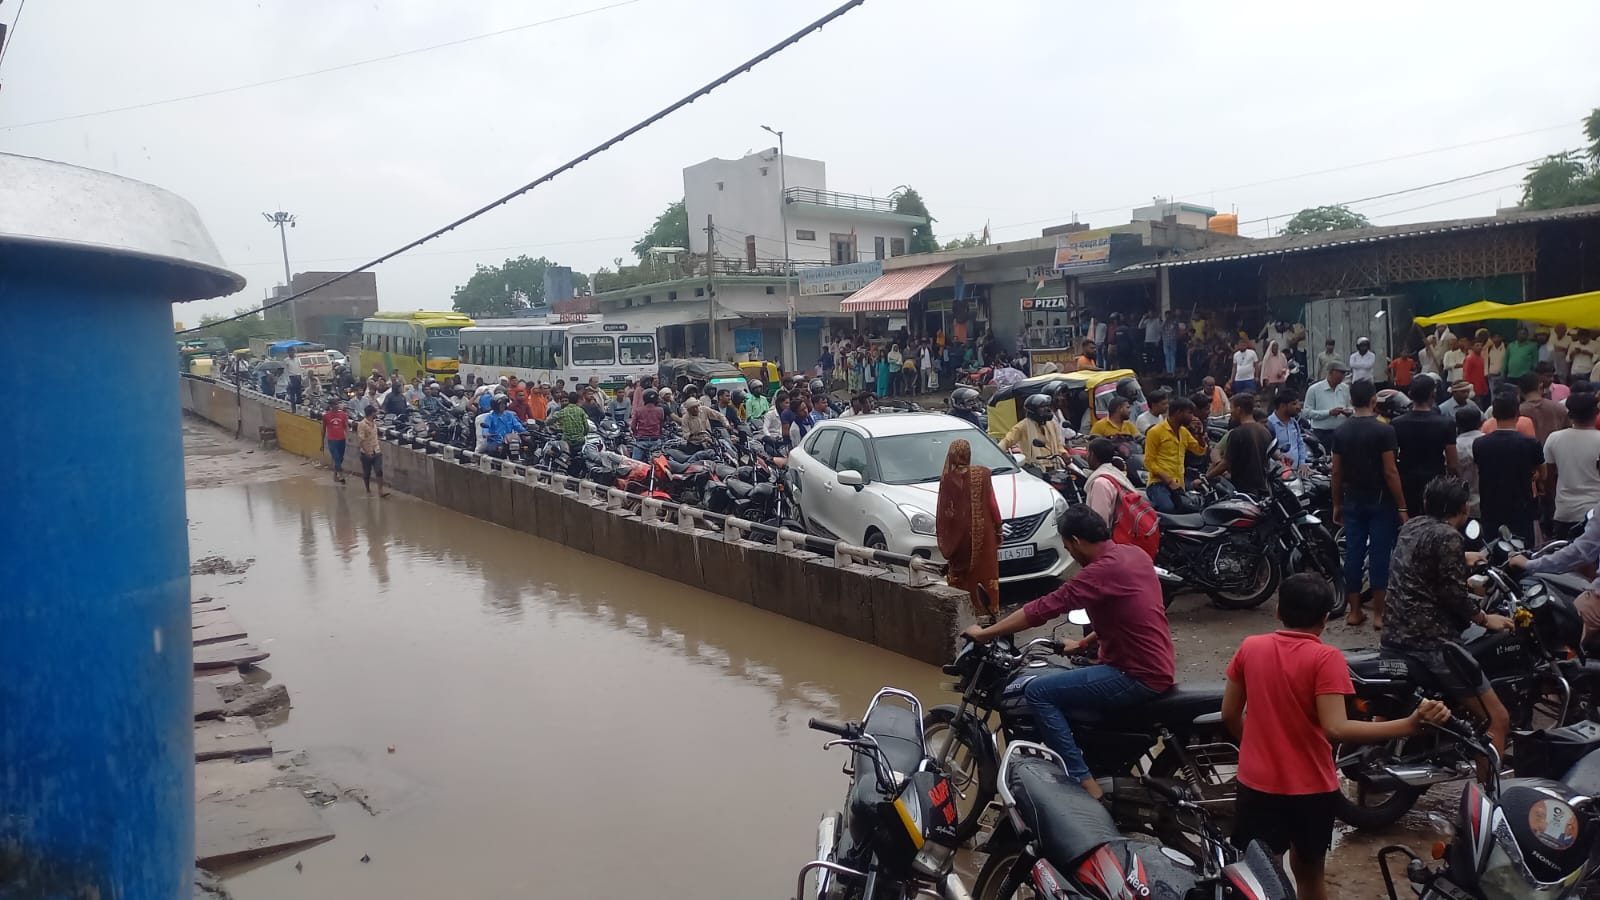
(96, 758)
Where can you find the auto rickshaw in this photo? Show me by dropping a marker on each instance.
(710, 375)
(1088, 394)
(763, 371)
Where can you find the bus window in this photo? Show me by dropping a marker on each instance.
(593, 350)
(636, 349)
(443, 343)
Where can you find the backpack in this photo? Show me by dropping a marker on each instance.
(1134, 521)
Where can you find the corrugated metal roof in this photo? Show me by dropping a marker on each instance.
(1328, 240)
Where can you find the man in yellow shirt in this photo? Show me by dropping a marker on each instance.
(1116, 423)
(1165, 446)
(1038, 424)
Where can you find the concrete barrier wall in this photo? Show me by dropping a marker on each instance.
(874, 605)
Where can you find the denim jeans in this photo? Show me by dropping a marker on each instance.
(1171, 351)
(1246, 386)
(1371, 525)
(644, 448)
(1089, 688)
(1161, 497)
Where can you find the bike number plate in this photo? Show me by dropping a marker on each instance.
(1023, 552)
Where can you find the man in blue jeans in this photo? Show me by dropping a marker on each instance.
(1118, 587)
(1368, 500)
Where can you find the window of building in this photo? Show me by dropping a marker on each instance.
(804, 234)
(897, 246)
(672, 295)
(843, 247)
(877, 248)
(771, 289)
(699, 292)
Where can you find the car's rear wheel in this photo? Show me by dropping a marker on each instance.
(875, 540)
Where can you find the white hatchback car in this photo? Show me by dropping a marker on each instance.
(874, 480)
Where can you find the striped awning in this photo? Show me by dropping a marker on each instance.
(893, 290)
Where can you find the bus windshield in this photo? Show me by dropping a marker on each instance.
(444, 347)
(637, 349)
(593, 350)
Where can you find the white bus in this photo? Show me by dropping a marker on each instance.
(550, 350)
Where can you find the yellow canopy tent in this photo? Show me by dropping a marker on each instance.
(1575, 310)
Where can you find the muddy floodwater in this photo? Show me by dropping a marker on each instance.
(561, 726)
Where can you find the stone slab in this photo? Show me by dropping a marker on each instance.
(224, 779)
(207, 701)
(229, 738)
(199, 617)
(229, 830)
(216, 633)
(227, 654)
(219, 678)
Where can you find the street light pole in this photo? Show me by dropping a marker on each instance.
(789, 352)
(282, 220)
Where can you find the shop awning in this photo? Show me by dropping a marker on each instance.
(1574, 311)
(893, 290)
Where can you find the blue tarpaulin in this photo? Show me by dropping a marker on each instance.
(286, 346)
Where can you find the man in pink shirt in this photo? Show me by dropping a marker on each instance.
(1118, 587)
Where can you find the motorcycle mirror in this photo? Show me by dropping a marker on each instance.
(1473, 530)
(1078, 617)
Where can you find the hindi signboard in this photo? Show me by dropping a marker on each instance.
(1083, 250)
(845, 279)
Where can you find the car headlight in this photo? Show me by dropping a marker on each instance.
(921, 521)
(1058, 503)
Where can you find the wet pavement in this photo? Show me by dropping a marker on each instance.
(560, 726)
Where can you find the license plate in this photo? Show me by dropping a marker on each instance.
(1021, 552)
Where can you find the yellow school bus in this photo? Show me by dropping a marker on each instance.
(427, 342)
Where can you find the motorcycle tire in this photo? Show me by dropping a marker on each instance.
(1004, 872)
(1365, 816)
(1254, 598)
(1322, 557)
(975, 789)
(1178, 832)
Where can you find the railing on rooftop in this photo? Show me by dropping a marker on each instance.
(838, 200)
(692, 266)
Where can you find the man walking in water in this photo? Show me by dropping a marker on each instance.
(335, 424)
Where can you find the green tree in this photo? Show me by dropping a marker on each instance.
(237, 334)
(671, 229)
(907, 202)
(963, 243)
(1566, 179)
(498, 291)
(1325, 218)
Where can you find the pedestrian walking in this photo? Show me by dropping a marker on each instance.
(968, 526)
(1368, 499)
(335, 426)
(1245, 368)
(371, 450)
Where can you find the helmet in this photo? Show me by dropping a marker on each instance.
(1393, 403)
(650, 395)
(817, 387)
(965, 398)
(738, 398)
(759, 388)
(1128, 388)
(1039, 408)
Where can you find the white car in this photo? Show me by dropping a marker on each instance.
(874, 480)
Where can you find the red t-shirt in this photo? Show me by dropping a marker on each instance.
(1284, 750)
(336, 421)
(1472, 370)
(1403, 368)
(1123, 597)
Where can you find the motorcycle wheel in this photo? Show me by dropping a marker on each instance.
(1362, 807)
(972, 772)
(1218, 781)
(1004, 874)
(1322, 556)
(1268, 573)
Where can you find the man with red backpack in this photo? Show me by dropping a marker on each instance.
(1124, 507)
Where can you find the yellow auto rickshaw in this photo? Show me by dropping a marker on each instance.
(763, 371)
(1087, 392)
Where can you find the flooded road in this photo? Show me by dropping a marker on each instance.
(562, 726)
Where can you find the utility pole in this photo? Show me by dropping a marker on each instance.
(789, 352)
(282, 220)
(711, 288)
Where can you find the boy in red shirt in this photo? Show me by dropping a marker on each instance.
(335, 423)
(1473, 371)
(1293, 687)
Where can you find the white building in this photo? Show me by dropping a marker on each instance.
(741, 285)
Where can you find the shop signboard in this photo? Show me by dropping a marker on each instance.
(1083, 250)
(845, 279)
(1044, 304)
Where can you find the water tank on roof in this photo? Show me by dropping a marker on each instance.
(1223, 223)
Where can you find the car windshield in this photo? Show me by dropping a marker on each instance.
(918, 458)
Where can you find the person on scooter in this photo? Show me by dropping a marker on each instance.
(1038, 425)
(500, 424)
(1118, 587)
(757, 404)
(647, 421)
(1429, 602)
(572, 422)
(967, 404)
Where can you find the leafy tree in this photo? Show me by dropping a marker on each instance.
(963, 243)
(1566, 179)
(1325, 218)
(237, 334)
(907, 202)
(499, 291)
(671, 229)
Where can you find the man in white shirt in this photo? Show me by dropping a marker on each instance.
(1326, 358)
(1560, 342)
(1328, 403)
(1454, 361)
(1363, 361)
(1245, 361)
(1581, 355)
(1099, 335)
(1151, 323)
(1572, 460)
(1157, 411)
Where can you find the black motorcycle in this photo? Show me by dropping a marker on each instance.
(896, 835)
(1531, 835)
(1062, 843)
(1180, 731)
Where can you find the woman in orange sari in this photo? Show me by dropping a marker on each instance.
(969, 528)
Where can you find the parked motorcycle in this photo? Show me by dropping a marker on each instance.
(1062, 843)
(895, 836)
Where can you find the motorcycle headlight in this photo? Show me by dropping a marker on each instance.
(921, 521)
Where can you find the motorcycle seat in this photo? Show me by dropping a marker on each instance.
(739, 489)
(676, 455)
(725, 471)
(1182, 703)
(1565, 584)
(899, 733)
(1068, 822)
(1584, 776)
(1378, 666)
(678, 468)
(1188, 521)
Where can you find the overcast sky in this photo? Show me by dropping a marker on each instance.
(1015, 112)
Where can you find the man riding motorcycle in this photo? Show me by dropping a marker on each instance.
(1429, 602)
(1118, 587)
(967, 404)
(499, 424)
(757, 404)
(1038, 424)
(1577, 556)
